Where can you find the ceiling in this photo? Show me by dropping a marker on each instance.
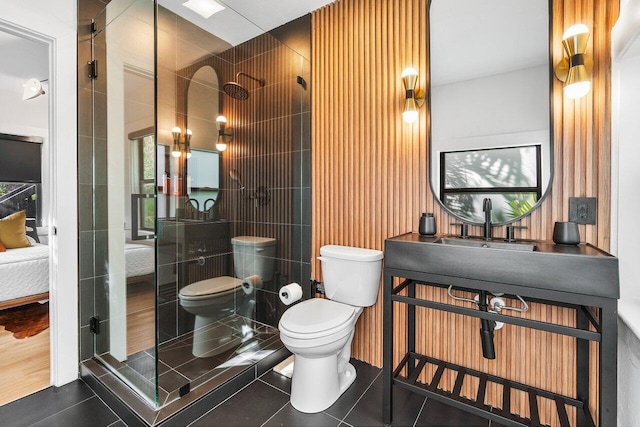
(243, 20)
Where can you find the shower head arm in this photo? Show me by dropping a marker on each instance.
(261, 81)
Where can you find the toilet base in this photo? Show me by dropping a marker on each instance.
(310, 392)
(209, 340)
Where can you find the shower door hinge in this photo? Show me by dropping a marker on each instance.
(94, 325)
(93, 69)
(94, 27)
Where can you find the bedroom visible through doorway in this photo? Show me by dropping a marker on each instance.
(25, 216)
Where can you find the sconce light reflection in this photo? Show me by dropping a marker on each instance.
(176, 151)
(414, 98)
(225, 134)
(575, 67)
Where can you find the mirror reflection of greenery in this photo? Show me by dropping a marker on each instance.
(487, 169)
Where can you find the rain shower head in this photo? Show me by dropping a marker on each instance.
(236, 90)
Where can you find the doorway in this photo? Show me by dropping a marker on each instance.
(25, 189)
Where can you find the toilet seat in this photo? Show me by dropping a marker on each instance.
(316, 318)
(216, 286)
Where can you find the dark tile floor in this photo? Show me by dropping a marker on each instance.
(177, 366)
(264, 402)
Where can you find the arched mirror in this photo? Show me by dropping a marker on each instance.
(204, 166)
(491, 130)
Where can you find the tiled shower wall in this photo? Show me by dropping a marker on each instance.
(271, 148)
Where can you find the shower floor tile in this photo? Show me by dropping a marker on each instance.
(236, 342)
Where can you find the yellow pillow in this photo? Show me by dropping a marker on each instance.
(13, 231)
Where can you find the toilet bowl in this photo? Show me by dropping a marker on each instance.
(319, 331)
(210, 300)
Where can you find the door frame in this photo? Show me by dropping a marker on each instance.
(57, 27)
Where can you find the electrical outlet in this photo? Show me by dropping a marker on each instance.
(582, 210)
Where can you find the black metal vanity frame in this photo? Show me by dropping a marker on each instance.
(604, 323)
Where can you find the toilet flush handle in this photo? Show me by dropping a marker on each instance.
(321, 258)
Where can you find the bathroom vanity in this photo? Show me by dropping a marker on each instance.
(582, 278)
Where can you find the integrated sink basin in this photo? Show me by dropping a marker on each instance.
(581, 269)
(487, 244)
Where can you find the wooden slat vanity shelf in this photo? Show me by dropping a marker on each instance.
(414, 259)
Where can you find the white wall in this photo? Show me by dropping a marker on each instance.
(55, 22)
(629, 175)
(503, 110)
(26, 118)
(625, 203)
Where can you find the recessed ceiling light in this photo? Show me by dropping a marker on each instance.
(204, 8)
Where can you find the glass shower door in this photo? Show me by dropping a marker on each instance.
(125, 193)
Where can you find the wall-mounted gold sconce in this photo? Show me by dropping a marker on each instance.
(225, 134)
(575, 67)
(176, 151)
(414, 98)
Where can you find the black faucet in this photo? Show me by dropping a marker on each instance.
(486, 208)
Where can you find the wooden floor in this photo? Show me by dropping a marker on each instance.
(24, 365)
(141, 317)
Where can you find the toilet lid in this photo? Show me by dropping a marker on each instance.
(216, 285)
(316, 315)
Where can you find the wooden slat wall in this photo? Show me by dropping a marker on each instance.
(370, 171)
(369, 167)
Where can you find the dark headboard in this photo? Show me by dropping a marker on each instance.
(21, 159)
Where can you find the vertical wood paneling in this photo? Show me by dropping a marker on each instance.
(370, 174)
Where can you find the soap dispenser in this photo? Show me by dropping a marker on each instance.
(427, 225)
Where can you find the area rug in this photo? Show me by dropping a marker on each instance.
(25, 321)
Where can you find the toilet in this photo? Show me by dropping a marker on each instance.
(211, 299)
(319, 331)
(254, 255)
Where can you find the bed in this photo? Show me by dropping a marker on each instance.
(24, 272)
(140, 262)
(24, 275)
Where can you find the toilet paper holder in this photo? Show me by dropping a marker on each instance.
(290, 293)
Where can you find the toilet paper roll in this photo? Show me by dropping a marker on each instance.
(251, 283)
(290, 293)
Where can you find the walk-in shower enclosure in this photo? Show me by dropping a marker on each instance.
(158, 210)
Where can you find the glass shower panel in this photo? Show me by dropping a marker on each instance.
(226, 208)
(125, 191)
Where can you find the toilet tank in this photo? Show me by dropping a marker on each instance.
(351, 275)
(254, 255)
